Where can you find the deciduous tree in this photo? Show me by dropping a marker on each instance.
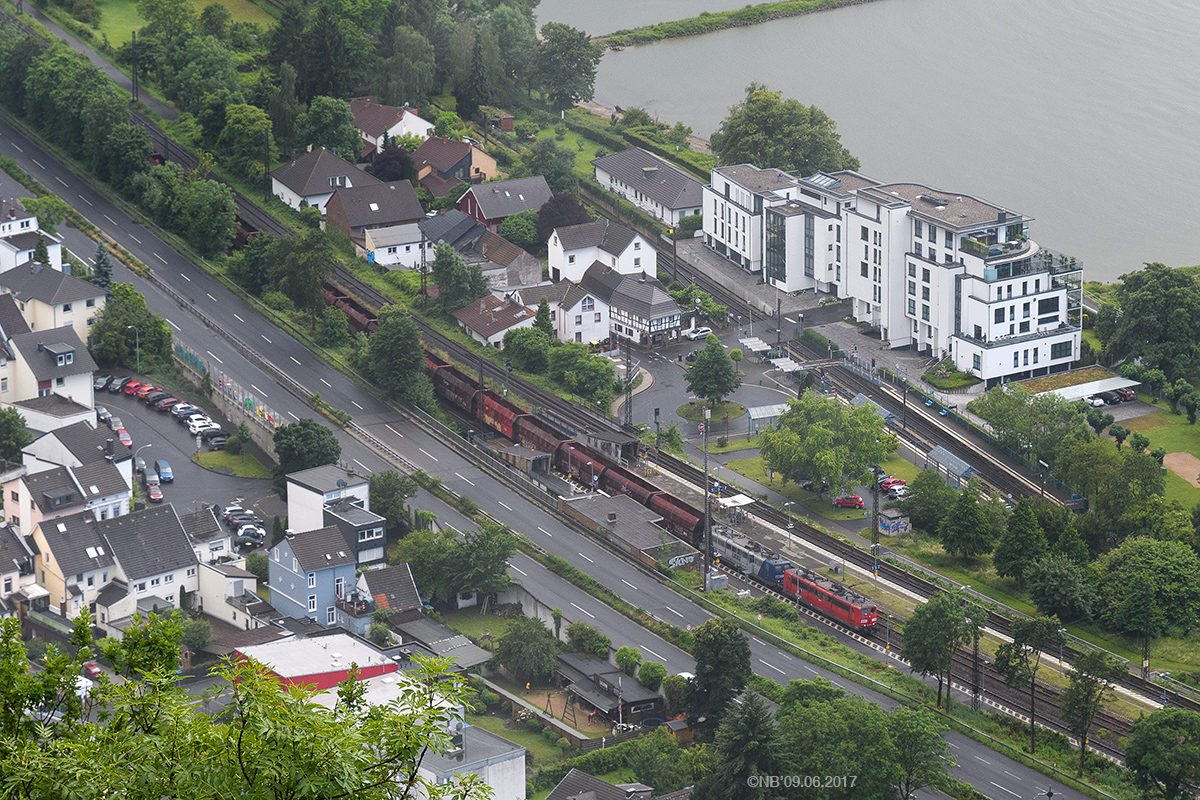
(390, 492)
(395, 356)
(521, 229)
(285, 109)
(712, 375)
(1062, 587)
(722, 668)
(1019, 660)
(1087, 690)
(1023, 543)
(408, 75)
(553, 162)
(1164, 753)
(431, 555)
(13, 434)
(560, 211)
(528, 649)
(584, 638)
(929, 500)
(628, 659)
(922, 755)
(329, 123)
(246, 141)
(483, 559)
(1156, 320)
(1141, 569)
(458, 283)
(932, 634)
(303, 445)
(845, 737)
(529, 349)
(567, 61)
(392, 163)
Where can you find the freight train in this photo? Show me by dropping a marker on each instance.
(583, 463)
(817, 592)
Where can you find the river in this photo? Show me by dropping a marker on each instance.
(1087, 122)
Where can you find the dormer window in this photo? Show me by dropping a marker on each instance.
(63, 359)
(338, 180)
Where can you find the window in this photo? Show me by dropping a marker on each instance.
(918, 229)
(588, 304)
(391, 251)
(596, 317)
(191, 572)
(60, 382)
(949, 239)
(369, 535)
(168, 579)
(91, 581)
(1024, 287)
(925, 313)
(925, 275)
(339, 587)
(912, 288)
(312, 580)
(976, 362)
(924, 292)
(1025, 311)
(1037, 285)
(637, 261)
(330, 616)
(866, 235)
(637, 245)
(1016, 359)
(141, 587)
(578, 336)
(917, 249)
(66, 358)
(932, 234)
(579, 319)
(8, 585)
(276, 552)
(570, 259)
(15, 497)
(312, 602)
(999, 315)
(1012, 313)
(912, 307)
(1027, 358)
(295, 565)
(864, 269)
(949, 259)
(1035, 355)
(66, 308)
(3, 384)
(1024, 327)
(912, 270)
(1060, 350)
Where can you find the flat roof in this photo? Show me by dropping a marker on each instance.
(1081, 391)
(296, 658)
(767, 412)
(634, 524)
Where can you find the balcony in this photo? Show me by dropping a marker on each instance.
(1019, 338)
(356, 604)
(992, 252)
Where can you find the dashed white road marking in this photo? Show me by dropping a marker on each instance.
(393, 430)
(293, 358)
(518, 569)
(189, 280)
(60, 180)
(260, 391)
(210, 297)
(998, 786)
(651, 652)
(1009, 774)
(38, 163)
(364, 466)
(584, 610)
(772, 666)
(84, 199)
(239, 319)
(210, 352)
(293, 416)
(160, 258)
(630, 585)
(673, 611)
(431, 455)
(173, 325)
(356, 405)
(468, 480)
(581, 555)
(984, 760)
(19, 150)
(110, 219)
(131, 236)
(267, 340)
(327, 383)
(548, 533)
(506, 505)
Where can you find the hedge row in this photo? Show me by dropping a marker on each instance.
(709, 22)
(597, 762)
(618, 141)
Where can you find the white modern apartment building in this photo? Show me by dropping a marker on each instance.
(943, 273)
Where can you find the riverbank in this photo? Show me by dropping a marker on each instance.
(710, 22)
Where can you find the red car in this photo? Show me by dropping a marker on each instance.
(132, 387)
(850, 501)
(145, 389)
(1126, 393)
(887, 484)
(154, 492)
(125, 438)
(92, 670)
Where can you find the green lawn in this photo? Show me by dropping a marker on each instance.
(474, 625)
(1172, 431)
(584, 150)
(694, 410)
(241, 466)
(543, 752)
(119, 18)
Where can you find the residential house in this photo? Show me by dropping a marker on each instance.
(578, 785)
(97, 488)
(504, 264)
(19, 234)
(156, 561)
(440, 164)
(356, 209)
(639, 307)
(489, 318)
(377, 123)
(225, 590)
(73, 562)
(314, 176)
(210, 540)
(310, 572)
(443, 642)
(661, 189)
(390, 590)
(395, 246)
(76, 445)
(362, 529)
(309, 490)
(451, 227)
(322, 660)
(497, 762)
(49, 299)
(17, 562)
(601, 686)
(579, 315)
(492, 203)
(49, 362)
(947, 274)
(574, 248)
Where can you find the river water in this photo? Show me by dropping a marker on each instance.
(1084, 116)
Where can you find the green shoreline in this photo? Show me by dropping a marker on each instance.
(710, 22)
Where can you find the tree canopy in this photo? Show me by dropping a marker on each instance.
(567, 61)
(1023, 543)
(712, 375)
(772, 132)
(1141, 569)
(13, 434)
(1156, 320)
(1164, 753)
(395, 360)
(722, 654)
(932, 634)
(114, 343)
(303, 445)
(1020, 659)
(528, 649)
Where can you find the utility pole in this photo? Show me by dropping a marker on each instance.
(904, 414)
(135, 66)
(875, 521)
(707, 512)
(267, 164)
(628, 387)
(1145, 635)
(779, 324)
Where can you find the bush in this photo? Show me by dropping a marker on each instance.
(534, 725)
(259, 564)
(550, 735)
(563, 744)
(278, 301)
(651, 675)
(490, 699)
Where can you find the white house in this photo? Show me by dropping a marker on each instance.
(211, 541)
(944, 273)
(75, 445)
(314, 176)
(225, 589)
(395, 246)
(639, 307)
(377, 123)
(309, 490)
(19, 232)
(661, 189)
(574, 248)
(579, 315)
(155, 559)
(487, 319)
(44, 363)
(16, 567)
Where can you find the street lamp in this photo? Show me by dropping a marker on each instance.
(1046, 471)
(788, 506)
(983, 680)
(888, 645)
(1062, 635)
(137, 340)
(135, 454)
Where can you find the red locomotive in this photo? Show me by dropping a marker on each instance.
(830, 598)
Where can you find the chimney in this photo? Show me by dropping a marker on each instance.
(41, 347)
(612, 517)
(289, 534)
(108, 447)
(12, 212)
(1003, 216)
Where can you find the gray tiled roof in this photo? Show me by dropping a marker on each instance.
(36, 282)
(99, 479)
(201, 526)
(452, 227)
(644, 297)
(52, 404)
(664, 183)
(601, 280)
(309, 174)
(380, 204)
(89, 444)
(75, 544)
(13, 549)
(611, 237)
(47, 485)
(502, 199)
(44, 362)
(393, 588)
(148, 542)
(578, 785)
(11, 320)
(320, 549)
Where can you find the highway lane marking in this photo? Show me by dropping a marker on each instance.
(998, 786)
(760, 641)
(668, 608)
(548, 533)
(814, 672)
(506, 505)
(260, 391)
(293, 416)
(239, 319)
(38, 163)
(189, 280)
(584, 610)
(952, 744)
(60, 180)
(364, 466)
(327, 383)
(18, 148)
(173, 325)
(84, 199)
(468, 480)
(984, 760)
(789, 319)
(110, 219)
(268, 340)
(422, 449)
(518, 569)
(356, 405)
(210, 352)
(131, 236)
(630, 585)
(293, 358)
(393, 430)
(581, 555)
(772, 666)
(1009, 774)
(651, 652)
(789, 658)
(160, 258)
(210, 297)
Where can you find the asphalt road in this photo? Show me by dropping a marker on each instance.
(993, 775)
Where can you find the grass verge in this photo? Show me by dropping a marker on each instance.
(240, 466)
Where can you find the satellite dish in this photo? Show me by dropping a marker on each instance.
(341, 484)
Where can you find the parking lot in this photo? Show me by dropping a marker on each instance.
(193, 485)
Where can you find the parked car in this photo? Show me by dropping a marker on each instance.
(252, 530)
(101, 382)
(898, 492)
(131, 387)
(125, 438)
(114, 423)
(249, 542)
(155, 396)
(850, 501)
(200, 426)
(139, 465)
(146, 389)
(154, 493)
(213, 433)
(890, 483)
(164, 471)
(698, 333)
(240, 518)
(195, 417)
(218, 442)
(1126, 393)
(150, 478)
(164, 403)
(103, 415)
(1095, 401)
(92, 670)
(1112, 398)
(118, 384)
(228, 510)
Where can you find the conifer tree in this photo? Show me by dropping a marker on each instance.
(102, 271)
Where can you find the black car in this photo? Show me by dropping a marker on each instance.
(117, 384)
(154, 397)
(102, 382)
(242, 519)
(217, 443)
(1112, 398)
(213, 433)
(103, 415)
